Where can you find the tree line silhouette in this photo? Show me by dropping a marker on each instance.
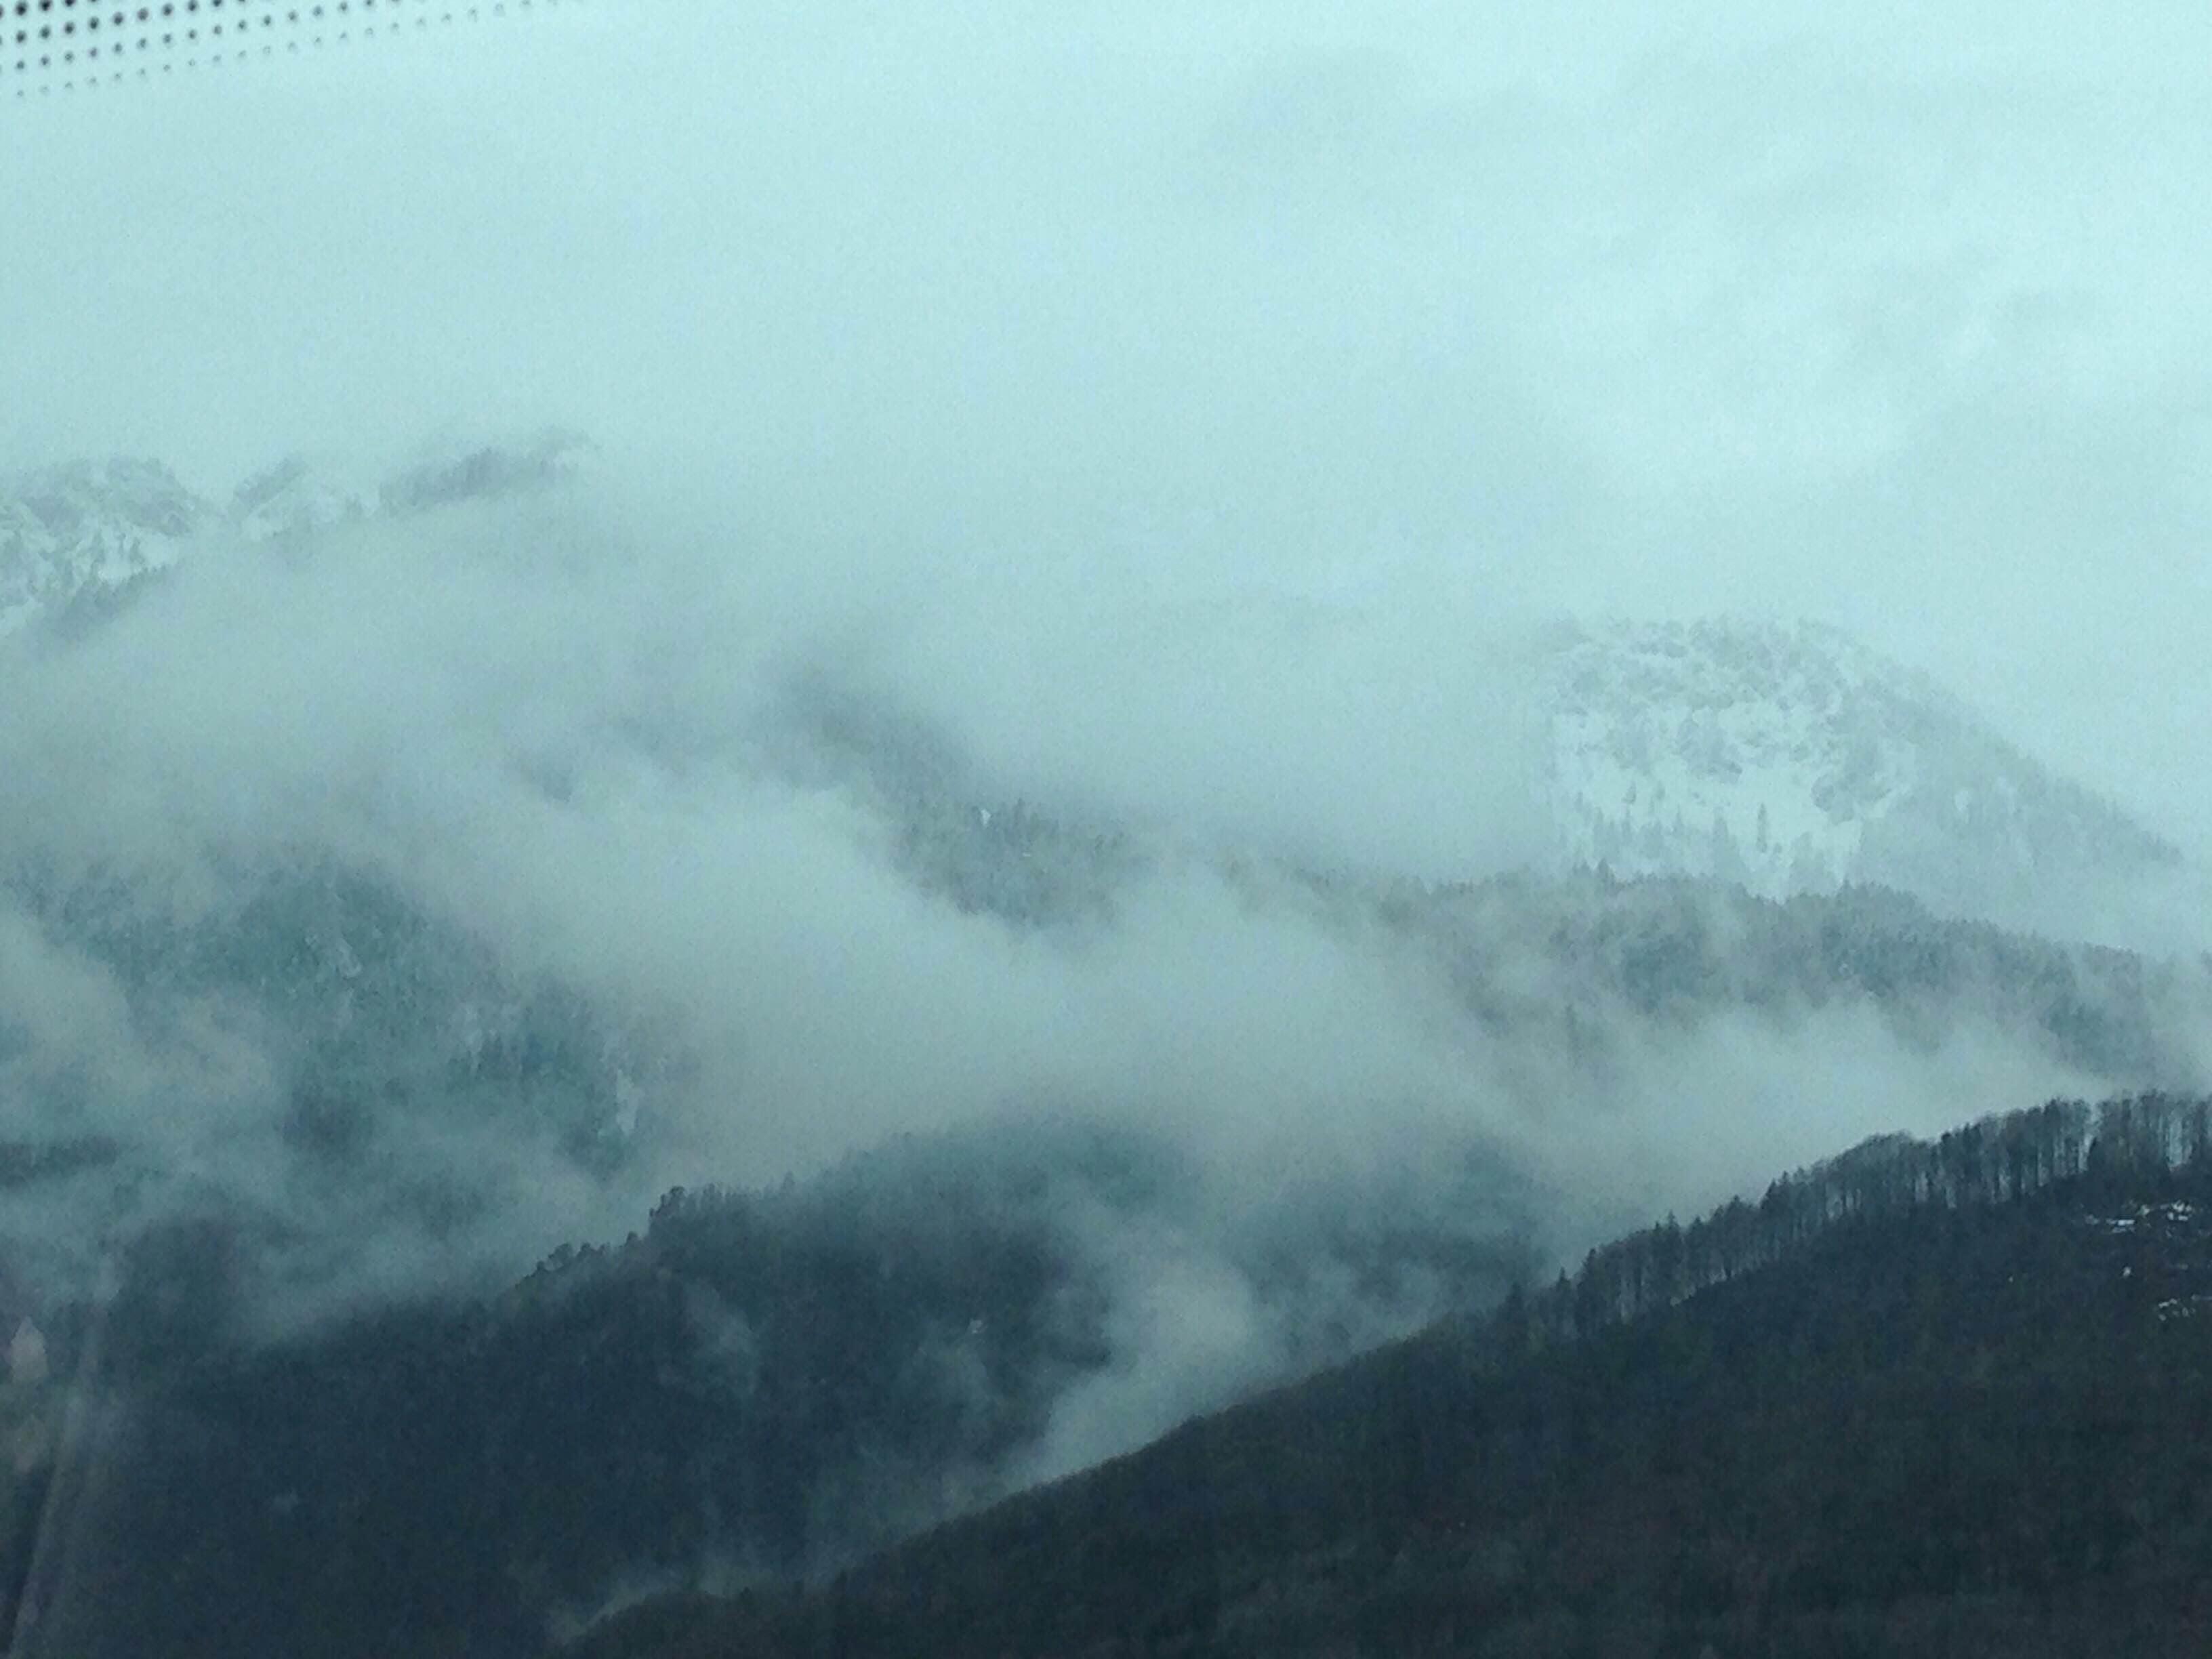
(1939, 1398)
(2000, 1159)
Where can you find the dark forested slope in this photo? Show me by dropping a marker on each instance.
(761, 1386)
(1950, 1398)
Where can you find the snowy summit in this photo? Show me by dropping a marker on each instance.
(1794, 759)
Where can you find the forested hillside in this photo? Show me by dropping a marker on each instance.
(1153, 831)
(1565, 955)
(1925, 1399)
(767, 1383)
(760, 1385)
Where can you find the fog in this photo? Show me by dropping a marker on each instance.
(1185, 417)
(1766, 306)
(563, 726)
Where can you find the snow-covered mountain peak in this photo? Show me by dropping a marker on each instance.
(89, 526)
(302, 494)
(75, 535)
(1793, 758)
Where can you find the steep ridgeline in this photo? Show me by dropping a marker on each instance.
(1788, 760)
(1794, 759)
(764, 1385)
(1574, 963)
(86, 529)
(1929, 1399)
(77, 537)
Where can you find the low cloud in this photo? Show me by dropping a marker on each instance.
(559, 739)
(1177, 429)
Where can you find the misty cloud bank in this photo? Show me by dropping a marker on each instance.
(437, 890)
(1050, 641)
(1882, 321)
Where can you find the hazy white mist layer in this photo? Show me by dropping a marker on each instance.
(1187, 412)
(1888, 319)
(548, 724)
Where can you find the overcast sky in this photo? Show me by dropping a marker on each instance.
(1894, 317)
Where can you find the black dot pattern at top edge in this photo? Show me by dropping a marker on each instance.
(47, 45)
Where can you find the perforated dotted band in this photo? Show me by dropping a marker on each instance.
(47, 45)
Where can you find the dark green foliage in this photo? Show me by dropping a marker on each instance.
(180, 1284)
(483, 474)
(1926, 1399)
(1525, 954)
(370, 1008)
(765, 1385)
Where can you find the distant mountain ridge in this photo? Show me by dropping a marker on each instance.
(1787, 758)
(1794, 759)
(1786, 761)
(89, 525)
(82, 533)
